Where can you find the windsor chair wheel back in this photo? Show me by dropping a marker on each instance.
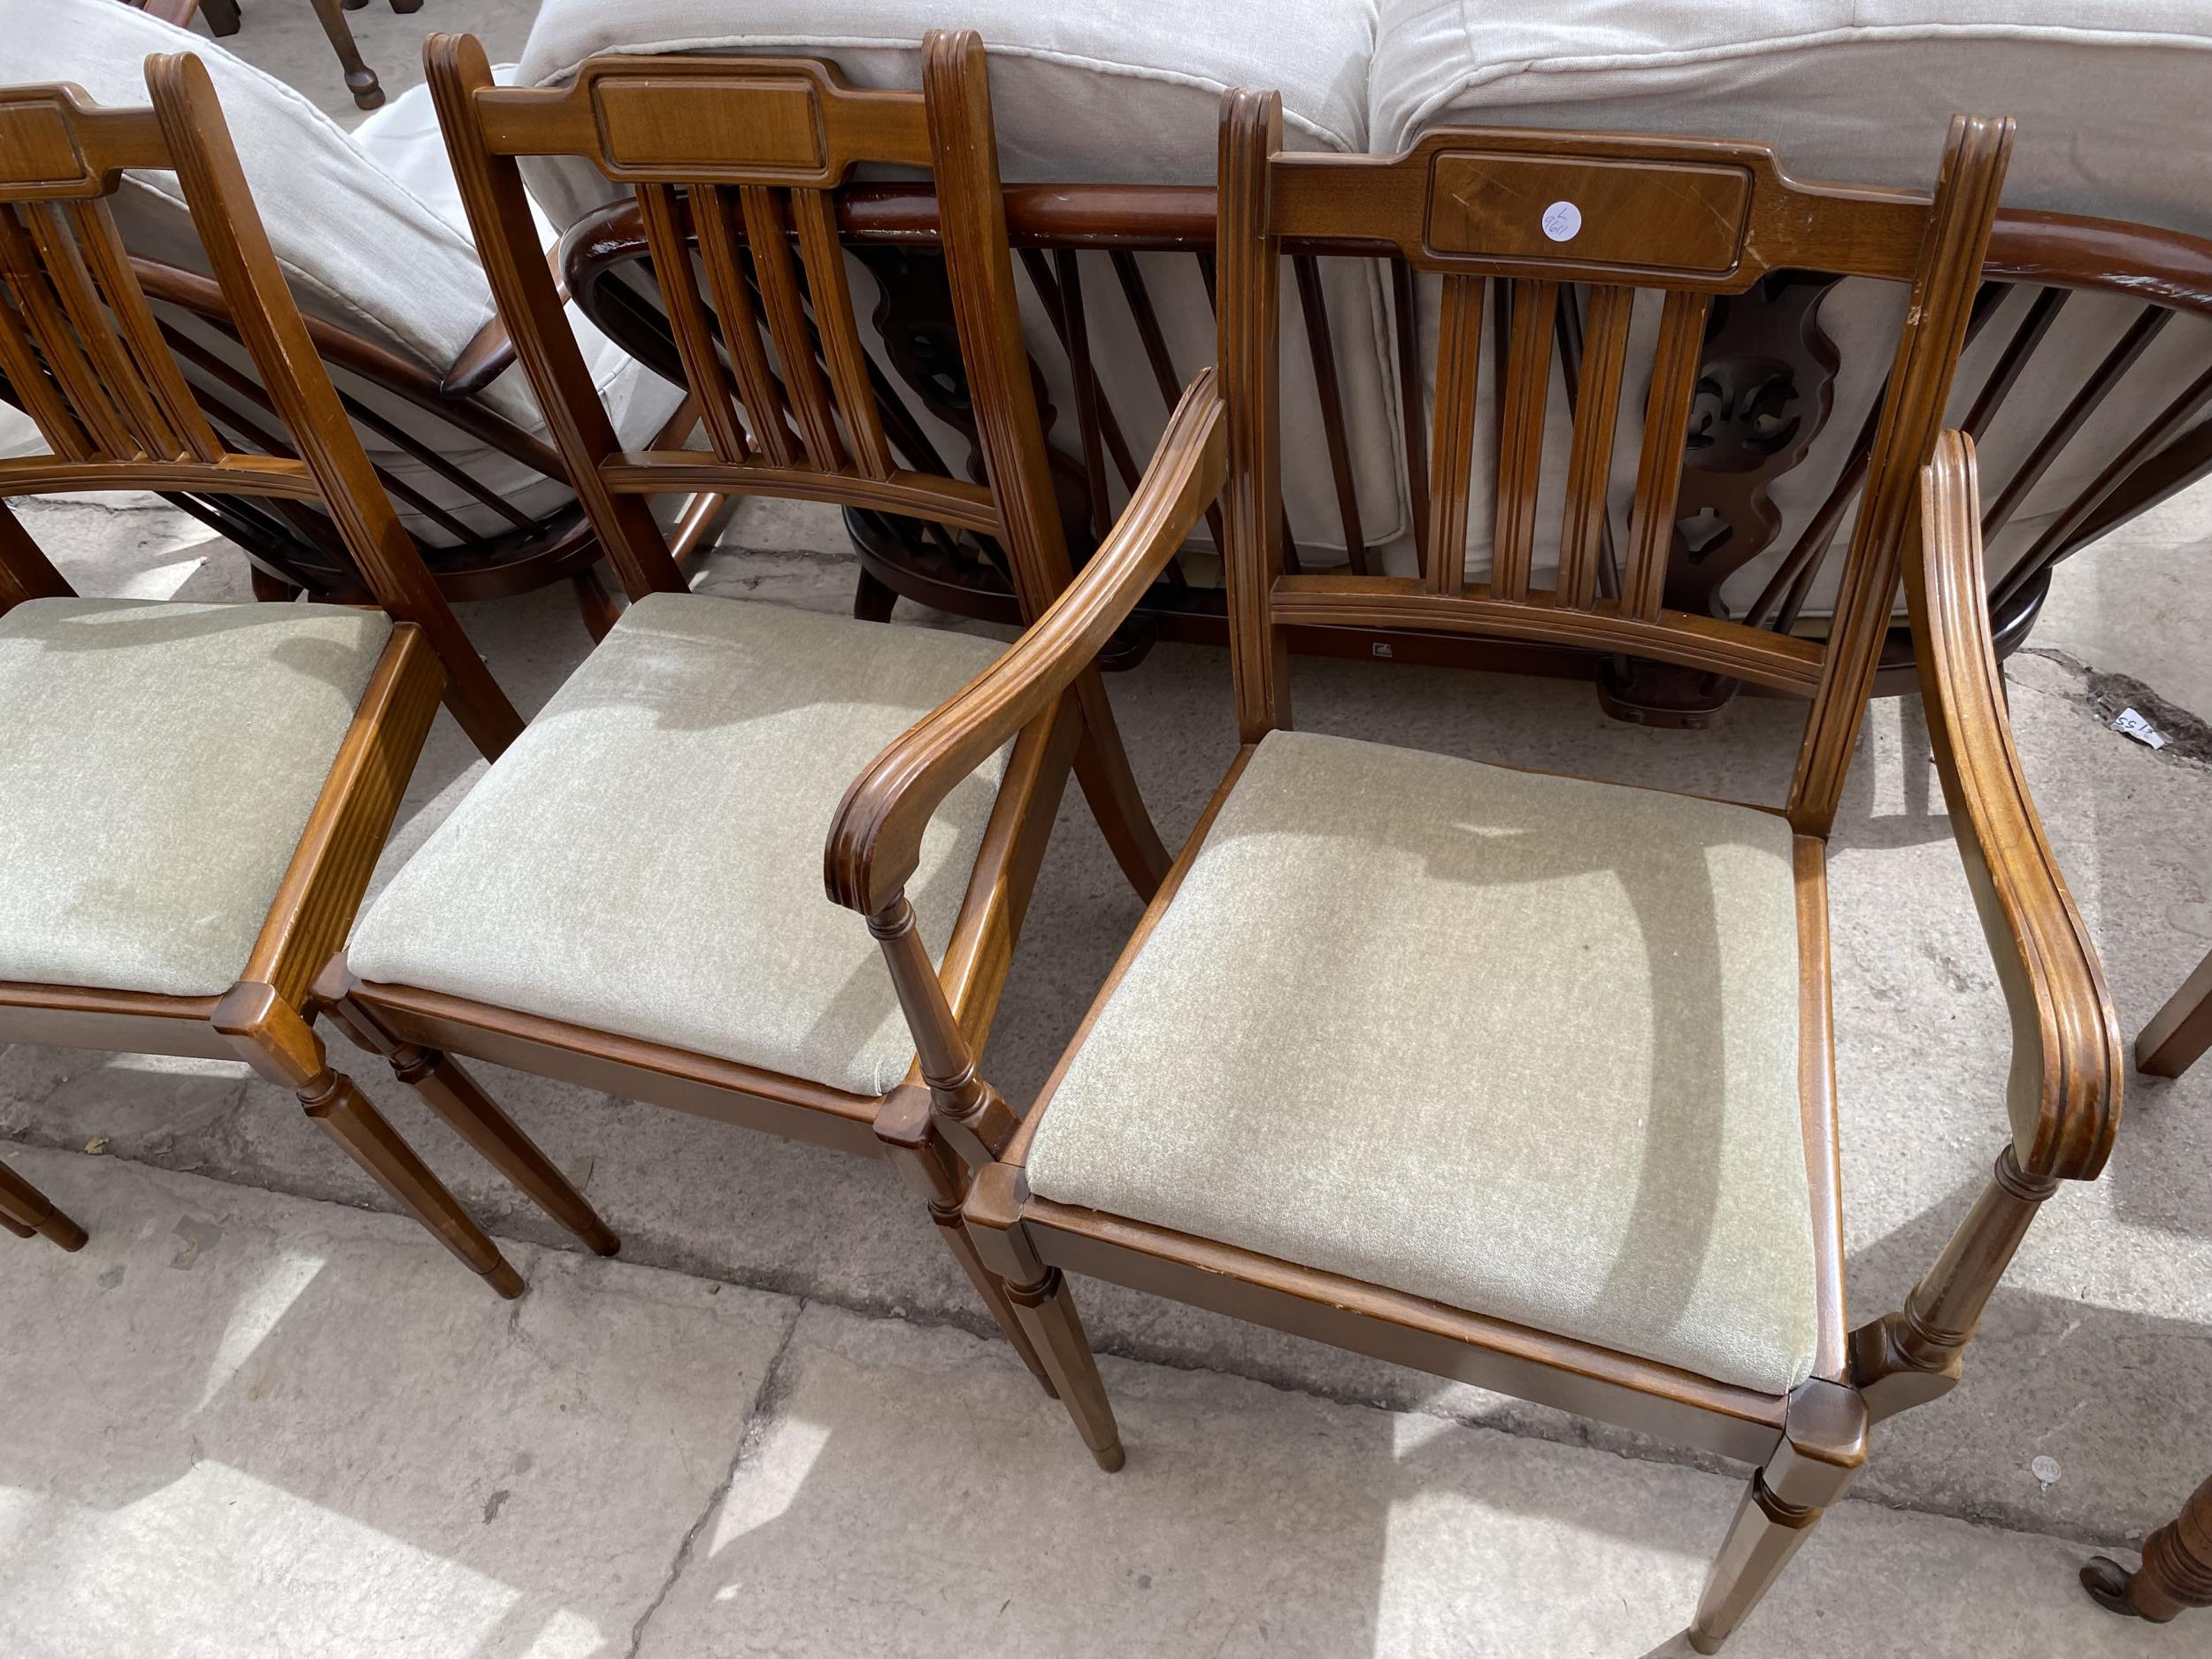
(552, 924)
(1522, 1079)
(192, 797)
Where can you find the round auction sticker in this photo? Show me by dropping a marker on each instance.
(1561, 221)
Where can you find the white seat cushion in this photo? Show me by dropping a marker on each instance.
(647, 858)
(2113, 121)
(158, 763)
(359, 247)
(1524, 1045)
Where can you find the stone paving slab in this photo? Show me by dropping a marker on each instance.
(259, 1427)
(237, 1423)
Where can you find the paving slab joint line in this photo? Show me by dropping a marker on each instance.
(759, 1417)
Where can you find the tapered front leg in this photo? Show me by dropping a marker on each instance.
(1046, 1308)
(28, 1213)
(1823, 1449)
(336, 1106)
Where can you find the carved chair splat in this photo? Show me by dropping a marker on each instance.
(79, 346)
(1694, 220)
(732, 161)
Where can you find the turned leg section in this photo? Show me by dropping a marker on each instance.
(477, 1118)
(338, 1108)
(1916, 1354)
(28, 1213)
(1823, 1449)
(2177, 1571)
(926, 1165)
(360, 79)
(1044, 1307)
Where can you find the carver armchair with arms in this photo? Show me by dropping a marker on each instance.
(560, 920)
(192, 797)
(1522, 1079)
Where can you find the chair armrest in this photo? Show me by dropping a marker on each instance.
(875, 841)
(489, 352)
(2067, 1058)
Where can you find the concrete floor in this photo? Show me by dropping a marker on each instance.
(259, 1416)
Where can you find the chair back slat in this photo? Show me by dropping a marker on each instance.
(1521, 435)
(1651, 528)
(814, 213)
(722, 251)
(100, 243)
(777, 277)
(735, 162)
(688, 322)
(1458, 372)
(40, 301)
(1569, 229)
(1583, 544)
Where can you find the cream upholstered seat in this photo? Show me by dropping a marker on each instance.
(158, 763)
(647, 858)
(1482, 1089)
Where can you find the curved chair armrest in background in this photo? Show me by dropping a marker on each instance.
(2067, 1056)
(875, 842)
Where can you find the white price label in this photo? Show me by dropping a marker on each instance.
(2130, 723)
(1562, 221)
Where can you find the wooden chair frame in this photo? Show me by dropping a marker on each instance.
(661, 124)
(1692, 219)
(79, 343)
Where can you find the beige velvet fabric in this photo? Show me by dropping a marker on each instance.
(158, 763)
(1524, 1045)
(647, 858)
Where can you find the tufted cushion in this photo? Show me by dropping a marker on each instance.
(647, 858)
(158, 763)
(1521, 1044)
(1121, 91)
(359, 247)
(2112, 120)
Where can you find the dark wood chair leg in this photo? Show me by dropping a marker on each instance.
(2177, 1571)
(441, 1084)
(1823, 1449)
(2182, 1030)
(456, 1097)
(404, 6)
(221, 15)
(360, 79)
(1046, 1308)
(26, 1212)
(337, 1105)
(873, 599)
(594, 604)
(1101, 767)
(930, 1169)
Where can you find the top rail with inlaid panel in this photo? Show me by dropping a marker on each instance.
(1522, 217)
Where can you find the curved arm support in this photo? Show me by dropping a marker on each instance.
(2068, 1061)
(875, 841)
(2064, 1089)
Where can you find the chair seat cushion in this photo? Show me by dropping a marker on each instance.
(158, 763)
(647, 858)
(1520, 1044)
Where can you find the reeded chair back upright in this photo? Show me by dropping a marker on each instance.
(1524, 1079)
(192, 797)
(738, 160)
